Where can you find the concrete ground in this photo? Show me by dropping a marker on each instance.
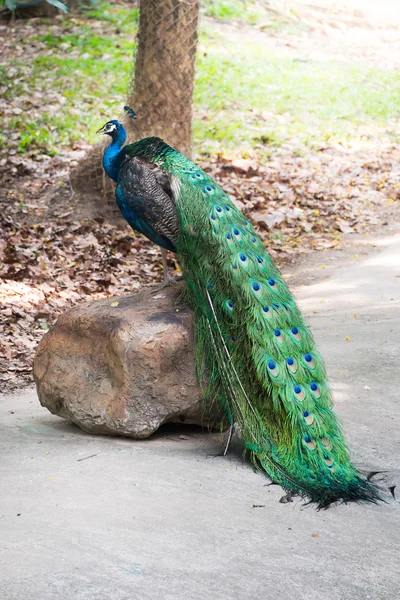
(97, 518)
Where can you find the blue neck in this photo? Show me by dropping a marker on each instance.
(113, 154)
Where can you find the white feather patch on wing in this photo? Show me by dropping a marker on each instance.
(175, 187)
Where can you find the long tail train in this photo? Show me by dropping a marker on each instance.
(253, 347)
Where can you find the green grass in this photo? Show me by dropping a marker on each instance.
(88, 68)
(248, 98)
(250, 11)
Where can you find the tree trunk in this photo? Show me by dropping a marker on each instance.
(162, 89)
(164, 72)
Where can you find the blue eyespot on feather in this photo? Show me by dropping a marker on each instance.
(254, 240)
(260, 260)
(193, 230)
(229, 305)
(255, 286)
(273, 368)
(291, 364)
(309, 360)
(309, 442)
(295, 333)
(227, 208)
(209, 189)
(308, 417)
(272, 283)
(243, 259)
(213, 217)
(278, 335)
(315, 389)
(299, 392)
(228, 237)
(218, 209)
(267, 312)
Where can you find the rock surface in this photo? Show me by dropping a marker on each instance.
(123, 366)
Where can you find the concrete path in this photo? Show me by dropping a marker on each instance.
(96, 518)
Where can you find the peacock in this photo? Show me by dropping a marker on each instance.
(140, 197)
(254, 352)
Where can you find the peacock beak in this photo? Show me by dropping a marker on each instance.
(101, 130)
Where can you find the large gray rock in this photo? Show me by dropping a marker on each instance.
(123, 366)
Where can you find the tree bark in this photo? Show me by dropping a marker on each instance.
(164, 72)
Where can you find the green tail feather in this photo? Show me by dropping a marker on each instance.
(253, 345)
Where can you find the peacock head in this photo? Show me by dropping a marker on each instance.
(114, 129)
